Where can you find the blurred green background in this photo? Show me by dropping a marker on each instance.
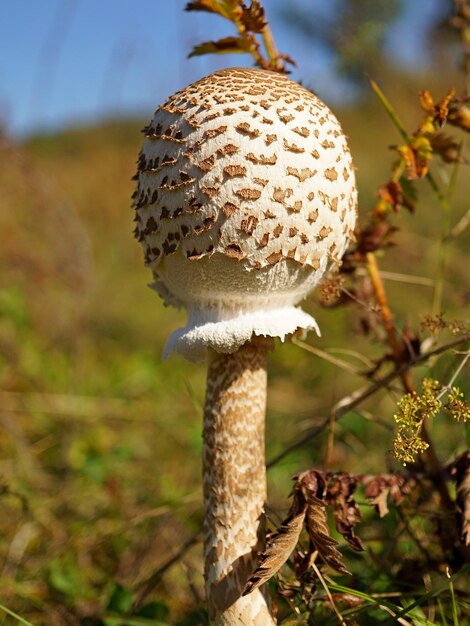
(99, 440)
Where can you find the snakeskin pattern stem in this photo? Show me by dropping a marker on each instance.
(234, 480)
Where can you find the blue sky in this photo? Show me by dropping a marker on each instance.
(69, 62)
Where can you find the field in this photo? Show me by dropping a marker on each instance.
(100, 441)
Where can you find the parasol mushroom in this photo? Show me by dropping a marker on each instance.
(245, 197)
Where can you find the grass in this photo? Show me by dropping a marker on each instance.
(18, 618)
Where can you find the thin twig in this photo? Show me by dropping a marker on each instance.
(354, 353)
(149, 584)
(327, 357)
(461, 225)
(387, 317)
(330, 441)
(271, 49)
(408, 279)
(325, 587)
(456, 374)
(349, 402)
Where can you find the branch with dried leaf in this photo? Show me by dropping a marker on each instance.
(315, 490)
(355, 399)
(253, 29)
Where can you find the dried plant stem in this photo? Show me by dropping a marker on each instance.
(434, 465)
(252, 43)
(455, 375)
(390, 110)
(330, 441)
(462, 224)
(345, 365)
(273, 61)
(325, 587)
(444, 238)
(271, 49)
(387, 317)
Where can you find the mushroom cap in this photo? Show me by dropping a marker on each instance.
(245, 197)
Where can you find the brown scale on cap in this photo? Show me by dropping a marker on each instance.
(218, 152)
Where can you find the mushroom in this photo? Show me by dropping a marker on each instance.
(245, 197)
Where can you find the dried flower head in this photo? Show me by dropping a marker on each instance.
(413, 410)
(457, 406)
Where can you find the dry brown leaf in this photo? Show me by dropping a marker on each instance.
(461, 473)
(379, 488)
(203, 5)
(341, 488)
(416, 157)
(437, 112)
(459, 115)
(253, 17)
(226, 8)
(322, 541)
(447, 147)
(313, 486)
(442, 109)
(391, 193)
(427, 102)
(375, 236)
(394, 194)
(400, 486)
(280, 546)
(313, 491)
(379, 502)
(227, 45)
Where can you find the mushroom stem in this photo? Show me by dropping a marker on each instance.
(234, 479)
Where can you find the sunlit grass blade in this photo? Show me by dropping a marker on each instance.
(418, 617)
(18, 618)
(328, 593)
(390, 110)
(442, 614)
(364, 596)
(455, 615)
(328, 357)
(396, 611)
